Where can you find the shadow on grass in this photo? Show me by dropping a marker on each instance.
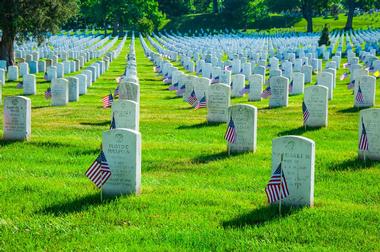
(8, 142)
(350, 110)
(77, 205)
(200, 125)
(298, 131)
(270, 108)
(260, 216)
(104, 123)
(353, 165)
(50, 144)
(204, 159)
(41, 107)
(172, 97)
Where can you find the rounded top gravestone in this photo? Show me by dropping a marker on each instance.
(296, 155)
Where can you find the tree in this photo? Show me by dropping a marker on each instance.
(22, 19)
(215, 6)
(325, 37)
(307, 7)
(351, 5)
(244, 12)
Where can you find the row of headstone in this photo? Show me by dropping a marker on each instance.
(122, 143)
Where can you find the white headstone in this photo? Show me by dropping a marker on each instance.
(73, 89)
(237, 84)
(122, 149)
(59, 92)
(29, 84)
(244, 117)
(280, 90)
(17, 118)
(326, 79)
(367, 86)
(218, 102)
(298, 168)
(256, 82)
(126, 114)
(316, 102)
(370, 119)
(13, 73)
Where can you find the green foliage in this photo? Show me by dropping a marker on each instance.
(324, 39)
(125, 14)
(245, 12)
(145, 25)
(34, 17)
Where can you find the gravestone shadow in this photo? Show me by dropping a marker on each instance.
(200, 125)
(354, 164)
(260, 216)
(350, 110)
(4, 142)
(77, 205)
(298, 131)
(204, 159)
(103, 123)
(172, 97)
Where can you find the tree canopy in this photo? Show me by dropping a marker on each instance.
(31, 18)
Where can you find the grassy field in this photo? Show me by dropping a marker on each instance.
(273, 22)
(194, 196)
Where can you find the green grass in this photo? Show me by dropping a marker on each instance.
(274, 22)
(194, 196)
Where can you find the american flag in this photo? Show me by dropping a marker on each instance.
(173, 87)
(19, 85)
(228, 68)
(345, 65)
(215, 80)
(306, 113)
(266, 93)
(48, 93)
(192, 99)
(107, 101)
(230, 135)
(113, 122)
(116, 92)
(99, 171)
(359, 96)
(344, 76)
(363, 143)
(46, 76)
(351, 85)
(181, 90)
(291, 87)
(167, 80)
(202, 103)
(277, 187)
(245, 90)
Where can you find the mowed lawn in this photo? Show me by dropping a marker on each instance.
(194, 196)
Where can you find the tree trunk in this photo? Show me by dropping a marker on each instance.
(7, 52)
(307, 11)
(309, 24)
(350, 16)
(121, 28)
(114, 28)
(105, 28)
(215, 6)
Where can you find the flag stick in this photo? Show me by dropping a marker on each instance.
(228, 149)
(279, 205)
(101, 194)
(365, 163)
